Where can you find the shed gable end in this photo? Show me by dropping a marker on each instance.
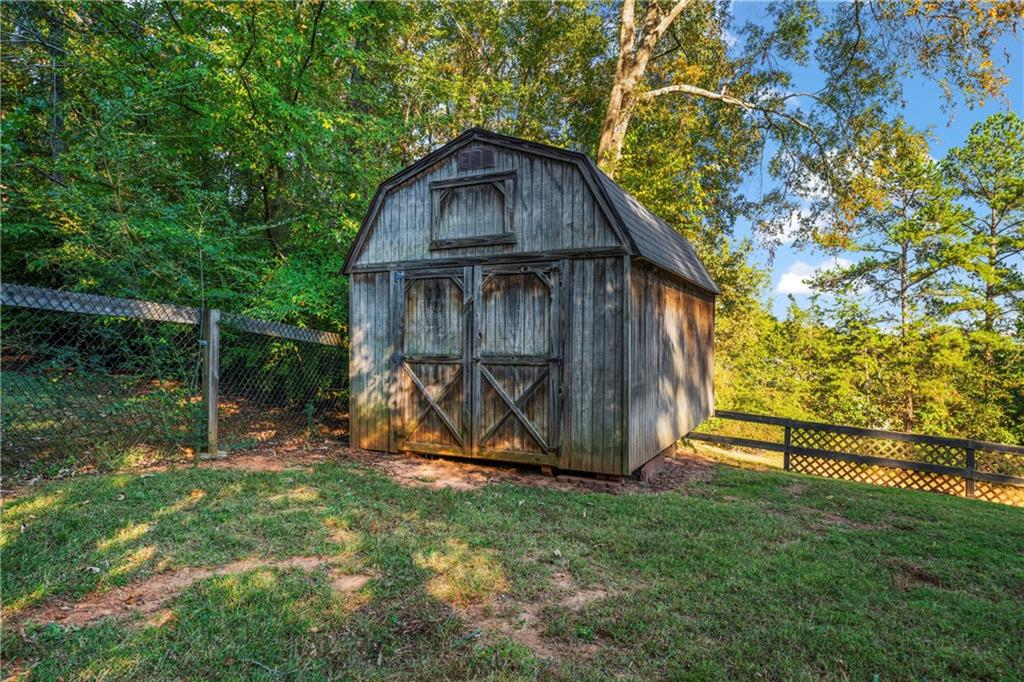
(484, 198)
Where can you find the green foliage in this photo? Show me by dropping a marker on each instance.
(988, 172)
(904, 224)
(225, 153)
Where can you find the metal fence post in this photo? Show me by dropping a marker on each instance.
(211, 378)
(785, 453)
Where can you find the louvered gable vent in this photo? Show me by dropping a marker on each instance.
(475, 158)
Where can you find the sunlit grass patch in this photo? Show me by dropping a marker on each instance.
(132, 562)
(300, 493)
(463, 574)
(30, 508)
(185, 502)
(124, 535)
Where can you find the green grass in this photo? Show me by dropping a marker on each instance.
(753, 574)
(98, 420)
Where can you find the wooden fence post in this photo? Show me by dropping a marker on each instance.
(211, 378)
(969, 474)
(785, 453)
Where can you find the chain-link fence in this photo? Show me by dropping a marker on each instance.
(96, 382)
(278, 383)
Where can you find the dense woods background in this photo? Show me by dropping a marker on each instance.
(225, 152)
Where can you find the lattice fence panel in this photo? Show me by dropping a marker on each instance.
(1008, 463)
(906, 451)
(1004, 494)
(876, 475)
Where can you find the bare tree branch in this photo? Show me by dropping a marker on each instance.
(725, 98)
(667, 20)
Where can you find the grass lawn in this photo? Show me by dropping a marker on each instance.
(750, 574)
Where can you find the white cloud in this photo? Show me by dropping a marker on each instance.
(795, 279)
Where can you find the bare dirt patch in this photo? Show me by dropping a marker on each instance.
(679, 472)
(523, 623)
(426, 472)
(149, 595)
(796, 489)
(818, 521)
(297, 453)
(910, 576)
(423, 471)
(831, 518)
(435, 473)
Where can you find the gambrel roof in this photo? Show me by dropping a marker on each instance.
(644, 234)
(652, 237)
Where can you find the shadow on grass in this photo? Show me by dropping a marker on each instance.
(746, 575)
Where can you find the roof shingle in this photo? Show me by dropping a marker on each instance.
(654, 239)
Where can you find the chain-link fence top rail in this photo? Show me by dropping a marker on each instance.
(94, 381)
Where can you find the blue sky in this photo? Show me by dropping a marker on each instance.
(923, 109)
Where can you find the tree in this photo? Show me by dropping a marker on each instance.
(862, 49)
(524, 68)
(988, 172)
(905, 226)
(225, 150)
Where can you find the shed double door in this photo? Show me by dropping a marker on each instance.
(478, 362)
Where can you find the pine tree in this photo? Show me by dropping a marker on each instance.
(988, 173)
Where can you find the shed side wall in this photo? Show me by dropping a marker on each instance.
(370, 353)
(553, 210)
(671, 363)
(594, 437)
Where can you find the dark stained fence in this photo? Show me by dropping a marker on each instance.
(99, 382)
(955, 466)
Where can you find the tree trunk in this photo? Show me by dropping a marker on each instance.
(54, 46)
(909, 384)
(993, 263)
(904, 290)
(613, 131)
(635, 52)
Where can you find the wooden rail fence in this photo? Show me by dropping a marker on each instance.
(955, 466)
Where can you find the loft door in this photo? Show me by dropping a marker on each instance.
(516, 363)
(429, 386)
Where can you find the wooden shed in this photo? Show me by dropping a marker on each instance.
(509, 301)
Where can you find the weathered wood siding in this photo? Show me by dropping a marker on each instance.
(553, 209)
(594, 419)
(518, 339)
(671, 362)
(370, 349)
(432, 342)
(504, 306)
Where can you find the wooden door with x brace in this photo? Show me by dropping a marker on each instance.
(478, 362)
